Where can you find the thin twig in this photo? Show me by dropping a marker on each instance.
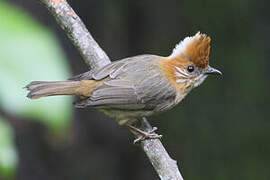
(95, 57)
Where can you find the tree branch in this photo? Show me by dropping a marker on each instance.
(70, 22)
(95, 57)
(165, 166)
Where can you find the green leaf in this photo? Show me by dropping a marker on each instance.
(29, 51)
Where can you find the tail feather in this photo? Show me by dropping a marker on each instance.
(40, 89)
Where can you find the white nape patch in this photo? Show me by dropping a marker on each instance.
(200, 79)
(181, 46)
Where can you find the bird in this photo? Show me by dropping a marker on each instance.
(139, 86)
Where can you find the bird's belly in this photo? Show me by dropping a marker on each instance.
(126, 116)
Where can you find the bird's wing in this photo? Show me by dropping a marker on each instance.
(113, 94)
(132, 85)
(115, 68)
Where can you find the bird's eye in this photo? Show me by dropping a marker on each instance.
(190, 68)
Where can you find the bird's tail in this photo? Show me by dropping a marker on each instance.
(38, 89)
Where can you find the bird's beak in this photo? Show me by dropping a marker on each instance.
(211, 70)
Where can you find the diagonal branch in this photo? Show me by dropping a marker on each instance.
(95, 57)
(71, 23)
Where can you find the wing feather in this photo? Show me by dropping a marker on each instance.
(133, 84)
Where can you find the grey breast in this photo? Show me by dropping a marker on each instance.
(134, 83)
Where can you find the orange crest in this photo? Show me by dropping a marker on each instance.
(195, 49)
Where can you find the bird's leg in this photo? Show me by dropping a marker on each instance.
(144, 135)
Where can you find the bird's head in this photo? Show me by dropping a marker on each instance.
(188, 65)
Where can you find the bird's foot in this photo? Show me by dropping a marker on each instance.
(148, 135)
(144, 135)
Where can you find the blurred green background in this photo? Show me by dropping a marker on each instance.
(220, 131)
